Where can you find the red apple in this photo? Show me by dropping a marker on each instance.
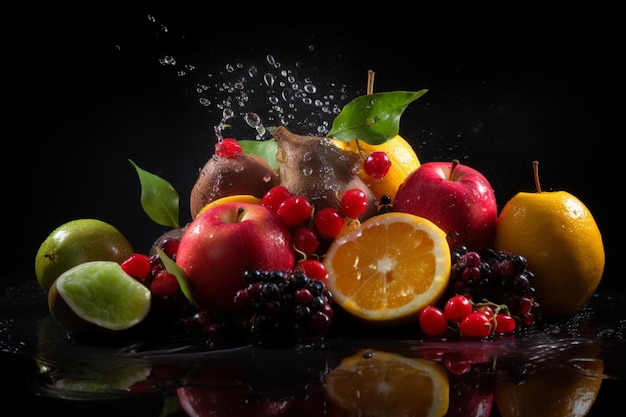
(457, 198)
(226, 240)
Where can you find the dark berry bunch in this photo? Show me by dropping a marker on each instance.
(275, 308)
(500, 277)
(285, 307)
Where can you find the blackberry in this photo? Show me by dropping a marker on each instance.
(500, 277)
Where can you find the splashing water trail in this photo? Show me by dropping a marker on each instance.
(261, 96)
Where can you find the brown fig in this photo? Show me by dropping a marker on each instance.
(314, 167)
(223, 176)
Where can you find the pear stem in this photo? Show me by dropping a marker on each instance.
(370, 81)
(536, 174)
(369, 90)
(455, 162)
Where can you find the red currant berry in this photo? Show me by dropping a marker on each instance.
(328, 222)
(313, 269)
(377, 164)
(295, 210)
(457, 308)
(353, 202)
(305, 240)
(486, 310)
(228, 148)
(137, 266)
(164, 284)
(274, 196)
(504, 323)
(475, 324)
(432, 321)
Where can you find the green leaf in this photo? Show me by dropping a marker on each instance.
(266, 149)
(373, 118)
(158, 198)
(174, 269)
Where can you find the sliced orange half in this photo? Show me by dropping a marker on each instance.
(389, 268)
(381, 384)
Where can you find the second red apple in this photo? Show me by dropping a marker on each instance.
(224, 241)
(456, 197)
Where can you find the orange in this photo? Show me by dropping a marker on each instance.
(562, 243)
(552, 391)
(238, 198)
(388, 268)
(403, 158)
(382, 384)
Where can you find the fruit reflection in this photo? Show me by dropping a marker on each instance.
(377, 383)
(554, 391)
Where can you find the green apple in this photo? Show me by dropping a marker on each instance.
(79, 241)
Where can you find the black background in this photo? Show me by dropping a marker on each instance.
(86, 92)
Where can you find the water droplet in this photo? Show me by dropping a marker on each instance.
(253, 119)
(151, 18)
(168, 60)
(229, 68)
(252, 71)
(273, 99)
(310, 88)
(269, 79)
(227, 114)
(271, 60)
(307, 171)
(260, 132)
(205, 101)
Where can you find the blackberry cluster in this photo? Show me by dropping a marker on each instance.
(277, 308)
(500, 277)
(285, 307)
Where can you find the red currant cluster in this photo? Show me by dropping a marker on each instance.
(151, 271)
(310, 227)
(462, 316)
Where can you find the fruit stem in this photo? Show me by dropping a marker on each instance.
(370, 81)
(369, 90)
(536, 174)
(455, 162)
(240, 211)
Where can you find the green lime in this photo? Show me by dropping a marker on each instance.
(79, 241)
(98, 296)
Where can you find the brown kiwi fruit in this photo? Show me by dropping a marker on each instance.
(223, 176)
(312, 166)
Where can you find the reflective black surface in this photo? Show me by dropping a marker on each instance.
(140, 373)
